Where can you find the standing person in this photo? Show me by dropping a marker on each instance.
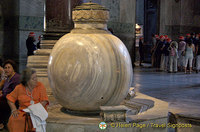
(29, 92)
(141, 50)
(197, 53)
(189, 55)
(166, 54)
(12, 80)
(193, 38)
(155, 41)
(111, 30)
(30, 44)
(158, 52)
(39, 40)
(173, 55)
(194, 41)
(162, 62)
(166, 37)
(181, 49)
(187, 38)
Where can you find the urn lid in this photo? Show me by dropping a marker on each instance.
(90, 12)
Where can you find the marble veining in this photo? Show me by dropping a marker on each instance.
(89, 67)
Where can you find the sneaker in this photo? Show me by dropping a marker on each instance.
(197, 71)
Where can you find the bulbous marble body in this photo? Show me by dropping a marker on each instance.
(89, 70)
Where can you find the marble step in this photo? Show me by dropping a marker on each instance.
(47, 44)
(42, 52)
(138, 105)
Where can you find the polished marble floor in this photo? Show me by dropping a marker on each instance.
(181, 91)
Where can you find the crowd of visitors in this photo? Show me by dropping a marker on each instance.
(173, 56)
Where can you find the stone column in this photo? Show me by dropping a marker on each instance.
(58, 15)
(58, 18)
(58, 21)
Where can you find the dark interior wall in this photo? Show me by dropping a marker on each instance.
(190, 16)
(1, 31)
(10, 11)
(179, 17)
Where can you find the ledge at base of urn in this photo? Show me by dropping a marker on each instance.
(114, 113)
(62, 122)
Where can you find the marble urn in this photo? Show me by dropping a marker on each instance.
(89, 67)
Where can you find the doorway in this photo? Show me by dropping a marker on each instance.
(151, 21)
(147, 17)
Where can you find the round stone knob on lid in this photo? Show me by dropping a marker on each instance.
(89, 67)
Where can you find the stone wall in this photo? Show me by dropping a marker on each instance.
(190, 16)
(17, 19)
(31, 18)
(179, 18)
(140, 12)
(122, 21)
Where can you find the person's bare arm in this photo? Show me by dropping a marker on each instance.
(13, 108)
(193, 47)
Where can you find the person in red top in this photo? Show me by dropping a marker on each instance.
(30, 91)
